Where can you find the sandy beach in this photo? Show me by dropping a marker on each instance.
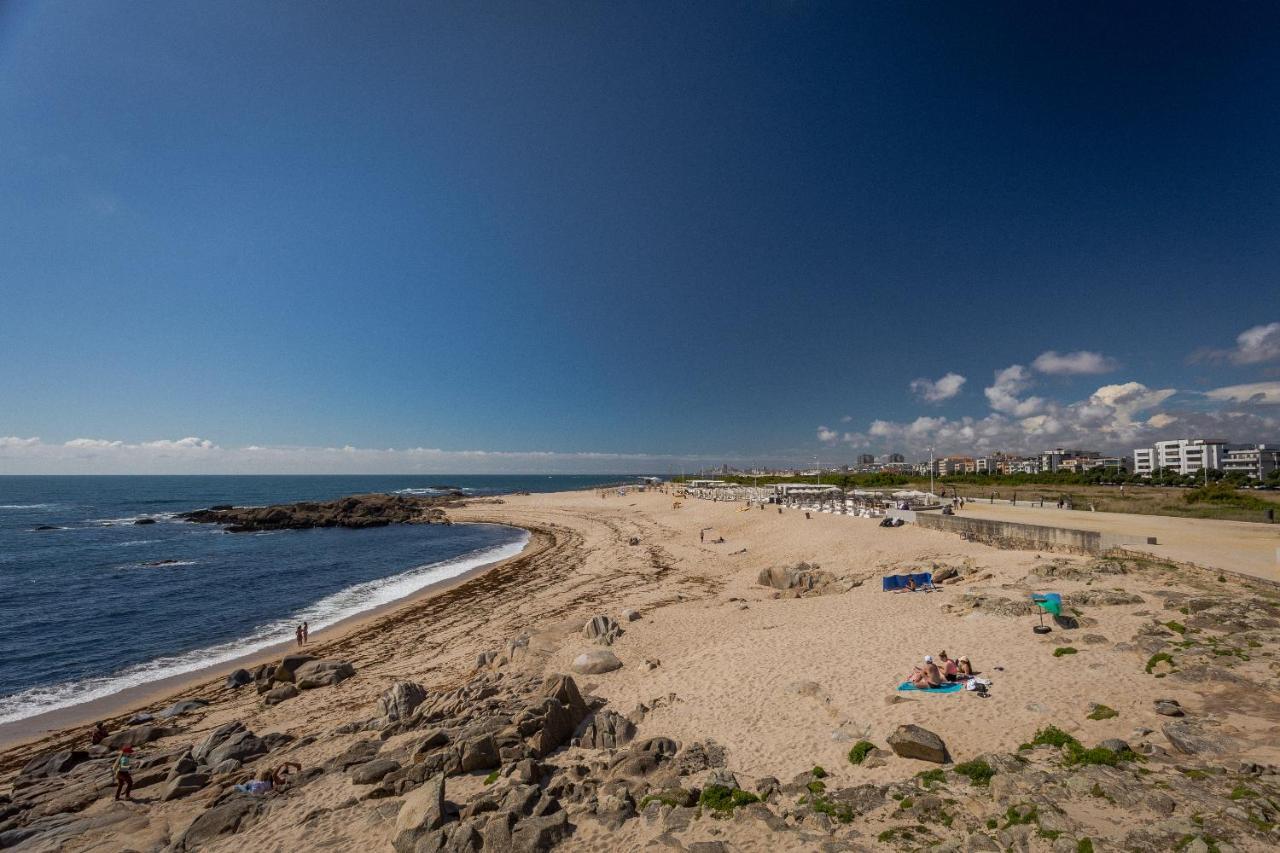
(756, 683)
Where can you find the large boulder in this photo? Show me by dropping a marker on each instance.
(241, 746)
(373, 771)
(136, 736)
(53, 763)
(595, 662)
(287, 669)
(322, 673)
(606, 730)
(225, 819)
(422, 812)
(804, 579)
(400, 701)
(479, 753)
(181, 786)
(276, 695)
(239, 678)
(911, 741)
(215, 739)
(186, 706)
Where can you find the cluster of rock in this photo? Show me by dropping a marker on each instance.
(277, 683)
(805, 579)
(356, 511)
(52, 788)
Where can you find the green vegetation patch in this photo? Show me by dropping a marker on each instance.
(1176, 627)
(818, 772)
(1064, 650)
(492, 777)
(860, 750)
(1084, 845)
(928, 778)
(723, 799)
(1102, 712)
(979, 772)
(1158, 658)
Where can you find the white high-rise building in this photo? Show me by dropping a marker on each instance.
(1184, 455)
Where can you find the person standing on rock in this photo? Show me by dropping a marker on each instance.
(123, 768)
(306, 631)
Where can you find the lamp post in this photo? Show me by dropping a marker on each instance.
(931, 472)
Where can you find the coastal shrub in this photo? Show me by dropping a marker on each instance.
(817, 786)
(1224, 494)
(859, 752)
(1158, 658)
(1053, 736)
(978, 771)
(1084, 845)
(837, 811)
(1240, 792)
(1102, 712)
(1098, 755)
(818, 772)
(992, 823)
(723, 799)
(1020, 814)
(1064, 650)
(929, 777)
(1176, 627)
(492, 777)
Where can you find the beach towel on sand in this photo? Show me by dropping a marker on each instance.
(950, 687)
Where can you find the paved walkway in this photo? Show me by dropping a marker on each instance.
(1238, 546)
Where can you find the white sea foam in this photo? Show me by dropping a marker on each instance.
(26, 506)
(131, 519)
(327, 611)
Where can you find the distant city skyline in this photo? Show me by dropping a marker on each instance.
(251, 237)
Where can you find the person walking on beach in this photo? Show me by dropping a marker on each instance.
(306, 633)
(123, 768)
(298, 635)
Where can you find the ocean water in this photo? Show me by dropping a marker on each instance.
(99, 604)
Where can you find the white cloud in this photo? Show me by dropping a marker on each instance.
(1257, 344)
(1257, 393)
(828, 436)
(193, 455)
(1002, 394)
(1077, 363)
(935, 391)
(92, 443)
(1113, 418)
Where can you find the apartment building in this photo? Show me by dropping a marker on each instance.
(1184, 455)
(1252, 460)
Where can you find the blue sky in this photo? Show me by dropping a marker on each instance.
(619, 236)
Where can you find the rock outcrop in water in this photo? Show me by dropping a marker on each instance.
(356, 511)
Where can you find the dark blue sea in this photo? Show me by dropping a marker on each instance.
(100, 604)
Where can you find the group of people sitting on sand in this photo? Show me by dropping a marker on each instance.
(940, 672)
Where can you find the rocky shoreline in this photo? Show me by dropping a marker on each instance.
(355, 511)
(562, 700)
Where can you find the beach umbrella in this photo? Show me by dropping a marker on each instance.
(1046, 602)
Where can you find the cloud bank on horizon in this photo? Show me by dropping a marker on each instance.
(1114, 417)
(193, 455)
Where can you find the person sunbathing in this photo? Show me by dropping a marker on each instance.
(963, 668)
(911, 584)
(926, 676)
(949, 667)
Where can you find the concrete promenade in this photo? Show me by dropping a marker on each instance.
(1238, 546)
